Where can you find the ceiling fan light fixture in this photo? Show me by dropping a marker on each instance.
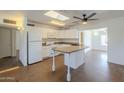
(19, 28)
(85, 18)
(84, 22)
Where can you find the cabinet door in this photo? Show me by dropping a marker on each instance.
(74, 59)
(71, 34)
(46, 51)
(60, 34)
(44, 34)
(67, 34)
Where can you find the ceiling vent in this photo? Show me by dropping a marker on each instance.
(9, 21)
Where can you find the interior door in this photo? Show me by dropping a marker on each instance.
(5, 42)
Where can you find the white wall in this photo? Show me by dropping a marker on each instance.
(87, 40)
(18, 39)
(23, 43)
(13, 42)
(23, 47)
(115, 38)
(116, 41)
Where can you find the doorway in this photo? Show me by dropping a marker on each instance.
(8, 54)
(96, 40)
(5, 43)
(99, 39)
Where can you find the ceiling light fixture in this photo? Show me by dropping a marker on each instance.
(84, 22)
(56, 15)
(59, 23)
(19, 28)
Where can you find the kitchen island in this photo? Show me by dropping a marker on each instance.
(73, 57)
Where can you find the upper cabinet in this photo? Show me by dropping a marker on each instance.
(52, 33)
(44, 34)
(67, 34)
(48, 33)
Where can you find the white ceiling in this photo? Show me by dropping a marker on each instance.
(38, 15)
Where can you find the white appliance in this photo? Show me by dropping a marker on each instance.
(34, 46)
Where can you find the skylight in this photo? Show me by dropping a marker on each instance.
(56, 15)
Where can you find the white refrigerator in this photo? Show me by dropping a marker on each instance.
(34, 46)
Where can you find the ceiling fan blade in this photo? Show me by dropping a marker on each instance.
(93, 19)
(93, 14)
(77, 17)
(77, 21)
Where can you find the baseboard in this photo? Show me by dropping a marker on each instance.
(116, 63)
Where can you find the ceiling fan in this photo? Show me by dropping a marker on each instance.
(85, 18)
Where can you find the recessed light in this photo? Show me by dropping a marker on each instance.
(56, 15)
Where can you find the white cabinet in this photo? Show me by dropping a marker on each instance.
(74, 59)
(60, 34)
(51, 35)
(72, 34)
(46, 51)
(44, 34)
(48, 33)
(67, 34)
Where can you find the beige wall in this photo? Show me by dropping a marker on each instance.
(20, 20)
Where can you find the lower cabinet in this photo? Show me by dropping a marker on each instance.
(47, 52)
(74, 59)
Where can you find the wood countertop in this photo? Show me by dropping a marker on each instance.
(69, 49)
